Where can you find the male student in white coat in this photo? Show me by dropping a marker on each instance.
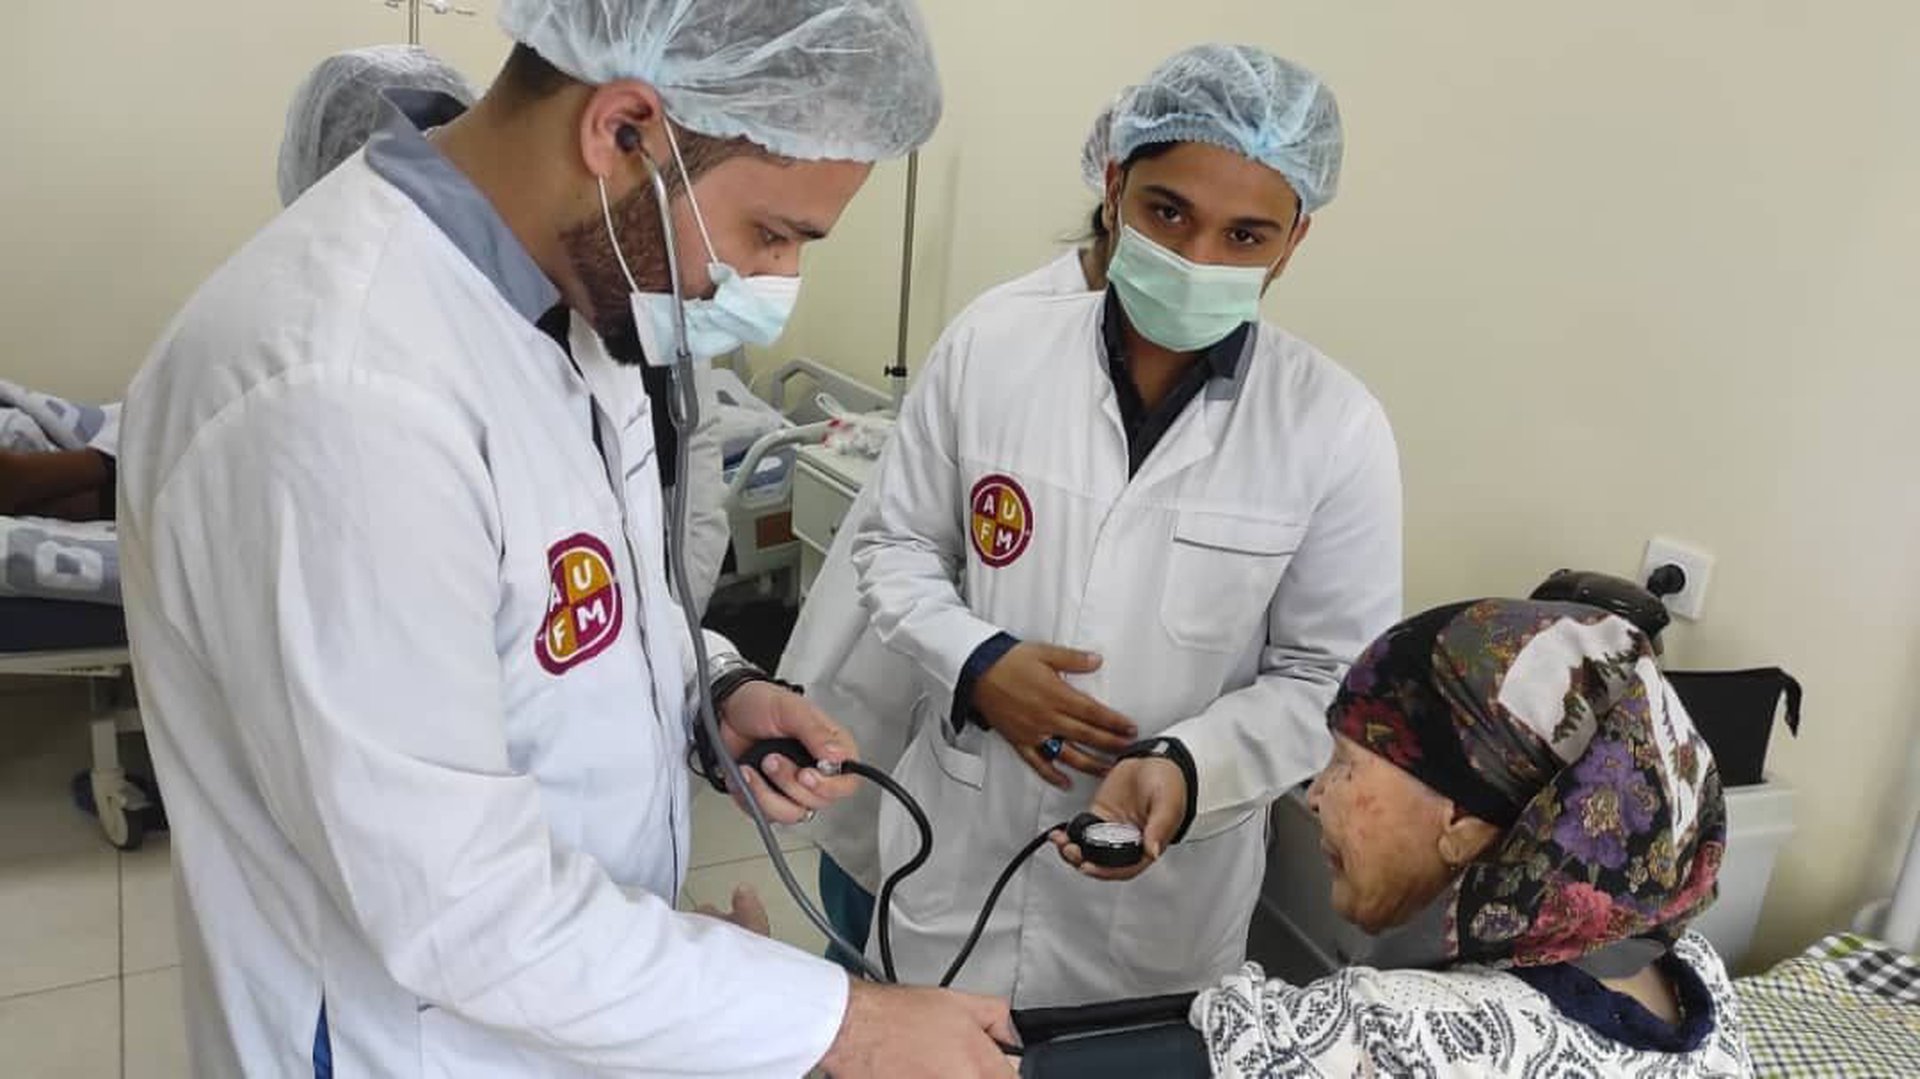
(1132, 540)
(415, 684)
(835, 653)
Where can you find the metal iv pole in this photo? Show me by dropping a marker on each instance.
(897, 374)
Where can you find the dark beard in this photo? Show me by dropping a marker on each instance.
(591, 254)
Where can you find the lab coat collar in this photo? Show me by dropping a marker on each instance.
(400, 153)
(1232, 356)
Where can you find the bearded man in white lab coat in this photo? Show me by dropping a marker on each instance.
(335, 111)
(1138, 536)
(415, 683)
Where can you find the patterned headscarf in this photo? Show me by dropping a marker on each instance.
(1552, 721)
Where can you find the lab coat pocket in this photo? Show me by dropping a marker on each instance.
(945, 776)
(1221, 575)
(962, 757)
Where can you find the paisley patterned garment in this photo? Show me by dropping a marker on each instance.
(1552, 721)
(1470, 1021)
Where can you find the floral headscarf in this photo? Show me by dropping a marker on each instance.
(1552, 721)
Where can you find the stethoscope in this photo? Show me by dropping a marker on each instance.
(1111, 844)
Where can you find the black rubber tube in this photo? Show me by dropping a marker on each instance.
(887, 783)
(993, 897)
(883, 903)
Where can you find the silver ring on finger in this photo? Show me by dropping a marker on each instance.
(1051, 749)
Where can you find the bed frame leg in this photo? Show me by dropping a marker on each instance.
(112, 794)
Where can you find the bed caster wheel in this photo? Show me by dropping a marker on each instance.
(123, 804)
(126, 831)
(122, 822)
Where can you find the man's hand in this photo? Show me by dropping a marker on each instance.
(895, 1032)
(1147, 792)
(787, 794)
(1024, 698)
(748, 912)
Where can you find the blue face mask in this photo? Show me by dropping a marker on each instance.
(743, 310)
(1178, 304)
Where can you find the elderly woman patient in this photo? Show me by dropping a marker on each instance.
(1519, 805)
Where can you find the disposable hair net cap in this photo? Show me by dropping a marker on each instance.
(1246, 100)
(1098, 150)
(336, 109)
(848, 80)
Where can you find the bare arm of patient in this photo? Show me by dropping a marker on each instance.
(69, 484)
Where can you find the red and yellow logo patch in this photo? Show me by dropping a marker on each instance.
(1002, 520)
(583, 604)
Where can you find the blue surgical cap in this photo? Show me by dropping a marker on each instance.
(1248, 101)
(1098, 151)
(846, 80)
(335, 110)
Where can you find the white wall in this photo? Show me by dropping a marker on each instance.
(139, 147)
(1615, 270)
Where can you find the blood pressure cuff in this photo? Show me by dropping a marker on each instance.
(1147, 1037)
(1169, 1051)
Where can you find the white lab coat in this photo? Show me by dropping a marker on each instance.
(847, 671)
(398, 785)
(619, 385)
(1227, 587)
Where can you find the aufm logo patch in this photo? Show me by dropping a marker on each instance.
(583, 604)
(1001, 520)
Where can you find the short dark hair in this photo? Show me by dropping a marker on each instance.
(1098, 228)
(528, 78)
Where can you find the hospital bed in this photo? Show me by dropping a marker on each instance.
(761, 470)
(41, 638)
(87, 641)
(1849, 1004)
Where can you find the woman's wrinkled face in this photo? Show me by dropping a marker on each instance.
(1382, 832)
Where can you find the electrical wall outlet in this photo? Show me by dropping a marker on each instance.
(1697, 564)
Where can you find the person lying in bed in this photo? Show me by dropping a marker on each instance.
(1521, 808)
(71, 485)
(332, 116)
(56, 458)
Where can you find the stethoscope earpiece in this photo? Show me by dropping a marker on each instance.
(627, 138)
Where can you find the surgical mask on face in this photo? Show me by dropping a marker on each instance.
(743, 310)
(1177, 304)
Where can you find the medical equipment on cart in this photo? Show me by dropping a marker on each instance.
(759, 436)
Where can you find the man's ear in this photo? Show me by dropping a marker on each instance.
(1294, 241)
(1465, 838)
(1110, 206)
(630, 106)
